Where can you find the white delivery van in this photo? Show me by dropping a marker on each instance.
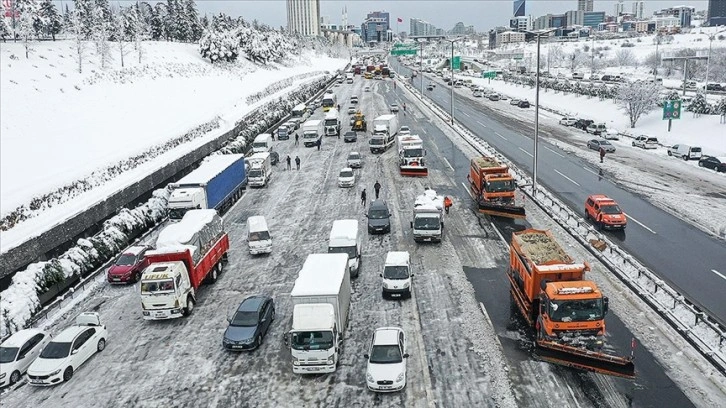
(344, 239)
(258, 235)
(397, 275)
(262, 143)
(685, 152)
(260, 169)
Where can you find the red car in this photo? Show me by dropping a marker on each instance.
(128, 266)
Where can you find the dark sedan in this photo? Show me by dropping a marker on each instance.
(714, 163)
(596, 144)
(379, 218)
(582, 124)
(249, 324)
(350, 136)
(523, 104)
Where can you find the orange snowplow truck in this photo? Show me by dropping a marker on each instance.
(492, 187)
(566, 311)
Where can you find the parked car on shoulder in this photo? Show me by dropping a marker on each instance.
(582, 124)
(129, 266)
(596, 144)
(523, 104)
(646, 142)
(18, 351)
(514, 102)
(714, 163)
(685, 152)
(350, 136)
(578, 75)
(249, 324)
(596, 129)
(386, 360)
(494, 97)
(568, 121)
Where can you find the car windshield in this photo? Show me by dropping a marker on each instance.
(388, 354)
(312, 340)
(255, 173)
(405, 129)
(346, 174)
(126, 260)
(354, 157)
(282, 131)
(259, 144)
(159, 286)
(56, 350)
(331, 122)
(395, 272)
(244, 319)
(259, 236)
(376, 141)
(349, 250)
(611, 209)
(498, 186)
(7, 354)
(413, 153)
(603, 142)
(310, 135)
(378, 214)
(426, 223)
(576, 310)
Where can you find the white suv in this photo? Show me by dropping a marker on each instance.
(568, 121)
(346, 178)
(386, 369)
(646, 142)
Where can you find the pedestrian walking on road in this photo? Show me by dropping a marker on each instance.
(404, 109)
(296, 139)
(289, 160)
(319, 142)
(377, 188)
(363, 197)
(447, 203)
(602, 154)
(297, 162)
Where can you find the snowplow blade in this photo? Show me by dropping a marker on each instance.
(501, 210)
(414, 171)
(585, 359)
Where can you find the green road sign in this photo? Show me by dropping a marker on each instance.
(456, 63)
(489, 74)
(402, 51)
(518, 56)
(672, 110)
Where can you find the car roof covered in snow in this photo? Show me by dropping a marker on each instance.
(386, 335)
(321, 274)
(210, 167)
(182, 232)
(343, 232)
(257, 223)
(397, 258)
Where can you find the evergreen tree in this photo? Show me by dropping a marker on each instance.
(102, 29)
(192, 16)
(84, 8)
(158, 27)
(52, 20)
(28, 11)
(66, 19)
(5, 30)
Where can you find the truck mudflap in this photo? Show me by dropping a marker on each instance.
(584, 359)
(414, 170)
(501, 210)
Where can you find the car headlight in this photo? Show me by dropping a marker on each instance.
(2, 376)
(369, 377)
(330, 360)
(385, 285)
(400, 377)
(406, 284)
(55, 372)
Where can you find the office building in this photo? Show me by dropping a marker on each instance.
(519, 8)
(639, 9)
(716, 12)
(619, 8)
(575, 18)
(682, 13)
(303, 17)
(593, 18)
(509, 37)
(376, 26)
(420, 27)
(585, 5)
(523, 23)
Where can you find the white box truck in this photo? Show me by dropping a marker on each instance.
(385, 128)
(344, 239)
(262, 143)
(332, 123)
(312, 132)
(320, 299)
(260, 169)
(428, 217)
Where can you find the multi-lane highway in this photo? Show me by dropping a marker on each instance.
(681, 254)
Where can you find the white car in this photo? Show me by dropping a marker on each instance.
(646, 142)
(367, 89)
(354, 160)
(67, 352)
(405, 130)
(386, 369)
(346, 178)
(568, 121)
(18, 352)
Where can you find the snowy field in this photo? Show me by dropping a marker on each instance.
(103, 116)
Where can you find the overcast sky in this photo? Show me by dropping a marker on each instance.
(482, 14)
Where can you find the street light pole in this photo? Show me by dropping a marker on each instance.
(421, 67)
(655, 69)
(536, 123)
(452, 77)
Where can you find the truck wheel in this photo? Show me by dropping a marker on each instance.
(213, 274)
(187, 311)
(669, 153)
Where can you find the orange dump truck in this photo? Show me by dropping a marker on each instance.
(493, 188)
(566, 311)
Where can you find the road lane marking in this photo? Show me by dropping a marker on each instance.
(553, 151)
(498, 134)
(586, 169)
(481, 123)
(448, 164)
(466, 114)
(467, 190)
(638, 222)
(718, 273)
(573, 181)
(504, 241)
(528, 153)
(424, 130)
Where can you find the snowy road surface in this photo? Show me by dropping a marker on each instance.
(456, 356)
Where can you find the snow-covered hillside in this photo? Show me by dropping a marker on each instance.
(59, 125)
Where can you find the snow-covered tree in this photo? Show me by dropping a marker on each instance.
(139, 32)
(192, 16)
(52, 20)
(66, 24)
(158, 17)
(721, 108)
(84, 9)
(626, 57)
(78, 31)
(28, 11)
(118, 27)
(637, 99)
(699, 105)
(101, 32)
(5, 30)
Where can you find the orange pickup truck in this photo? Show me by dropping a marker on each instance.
(605, 212)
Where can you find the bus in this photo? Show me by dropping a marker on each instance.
(300, 111)
(329, 101)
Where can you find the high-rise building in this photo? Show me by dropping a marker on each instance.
(716, 12)
(575, 18)
(639, 9)
(523, 23)
(619, 8)
(303, 17)
(375, 27)
(593, 18)
(585, 5)
(519, 8)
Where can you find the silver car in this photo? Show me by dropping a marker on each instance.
(596, 144)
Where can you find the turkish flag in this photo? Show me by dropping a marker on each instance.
(400, 20)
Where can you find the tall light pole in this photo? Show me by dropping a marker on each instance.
(708, 61)
(421, 42)
(539, 35)
(452, 76)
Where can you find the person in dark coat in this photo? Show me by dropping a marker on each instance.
(602, 154)
(297, 162)
(319, 142)
(289, 165)
(377, 188)
(296, 139)
(363, 197)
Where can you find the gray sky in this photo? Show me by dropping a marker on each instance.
(483, 14)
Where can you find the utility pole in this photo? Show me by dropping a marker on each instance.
(421, 55)
(452, 76)
(655, 68)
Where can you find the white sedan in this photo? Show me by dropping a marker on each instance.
(405, 130)
(68, 351)
(386, 370)
(18, 352)
(568, 121)
(346, 178)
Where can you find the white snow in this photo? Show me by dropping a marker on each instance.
(210, 168)
(343, 232)
(397, 258)
(183, 232)
(321, 274)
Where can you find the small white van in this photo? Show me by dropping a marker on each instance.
(344, 239)
(397, 275)
(258, 235)
(262, 143)
(685, 152)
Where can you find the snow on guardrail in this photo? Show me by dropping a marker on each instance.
(695, 325)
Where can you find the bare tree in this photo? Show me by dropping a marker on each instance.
(626, 57)
(78, 35)
(637, 99)
(101, 31)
